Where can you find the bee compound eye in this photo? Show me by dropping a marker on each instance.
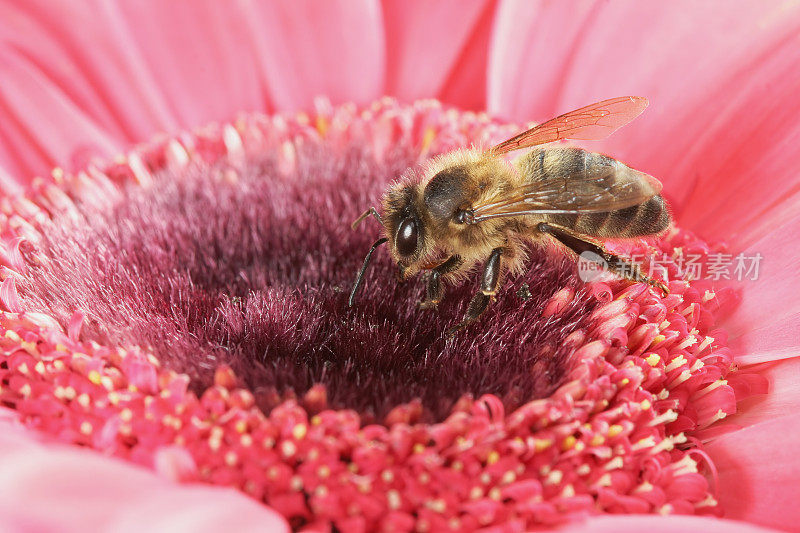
(406, 238)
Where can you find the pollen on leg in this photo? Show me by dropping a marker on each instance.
(192, 297)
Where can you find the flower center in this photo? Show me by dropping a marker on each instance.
(232, 247)
(246, 266)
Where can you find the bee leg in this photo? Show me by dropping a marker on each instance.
(581, 244)
(490, 280)
(434, 292)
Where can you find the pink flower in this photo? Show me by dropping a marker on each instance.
(632, 424)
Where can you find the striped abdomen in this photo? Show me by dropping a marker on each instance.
(648, 218)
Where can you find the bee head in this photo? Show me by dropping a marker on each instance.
(404, 226)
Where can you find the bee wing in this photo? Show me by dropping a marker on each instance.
(595, 121)
(596, 189)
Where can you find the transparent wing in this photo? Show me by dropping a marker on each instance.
(593, 190)
(595, 121)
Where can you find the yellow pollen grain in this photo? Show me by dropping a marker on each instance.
(387, 476)
(322, 125)
(241, 426)
(542, 444)
(508, 477)
(316, 420)
(246, 440)
(299, 431)
(495, 494)
(458, 466)
(288, 448)
(604, 481)
(419, 448)
(568, 443)
(59, 365)
(84, 400)
(646, 442)
(107, 383)
(675, 363)
(624, 381)
(126, 415)
(658, 339)
(94, 376)
(393, 499)
(652, 359)
(614, 430)
(476, 493)
(437, 505)
(645, 405)
(86, 428)
(324, 471)
(493, 457)
(30, 347)
(427, 139)
(231, 458)
(597, 440)
(554, 477)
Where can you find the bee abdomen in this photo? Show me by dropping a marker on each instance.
(650, 218)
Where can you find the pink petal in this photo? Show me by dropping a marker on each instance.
(424, 42)
(758, 469)
(466, 86)
(721, 80)
(782, 399)
(658, 524)
(764, 326)
(87, 53)
(85, 80)
(307, 49)
(48, 487)
(34, 115)
(201, 56)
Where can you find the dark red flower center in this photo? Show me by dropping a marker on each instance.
(246, 266)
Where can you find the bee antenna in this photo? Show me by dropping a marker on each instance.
(360, 277)
(371, 211)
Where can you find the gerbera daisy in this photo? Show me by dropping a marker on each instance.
(183, 306)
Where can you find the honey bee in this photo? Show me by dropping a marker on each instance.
(471, 206)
